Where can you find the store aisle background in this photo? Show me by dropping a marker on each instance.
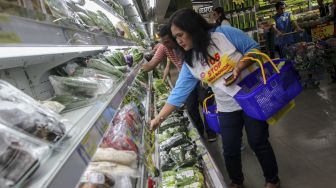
(304, 142)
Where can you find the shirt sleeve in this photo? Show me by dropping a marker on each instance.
(160, 53)
(185, 84)
(238, 38)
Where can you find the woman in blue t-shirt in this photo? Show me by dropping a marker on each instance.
(206, 49)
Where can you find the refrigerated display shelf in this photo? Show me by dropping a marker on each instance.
(23, 31)
(13, 56)
(210, 168)
(68, 162)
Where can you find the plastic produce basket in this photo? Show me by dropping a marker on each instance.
(261, 100)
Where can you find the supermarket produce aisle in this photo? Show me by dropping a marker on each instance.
(304, 142)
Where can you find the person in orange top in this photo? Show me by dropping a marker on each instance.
(167, 49)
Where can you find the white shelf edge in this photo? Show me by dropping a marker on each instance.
(17, 52)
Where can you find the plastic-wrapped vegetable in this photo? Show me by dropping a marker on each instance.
(184, 155)
(193, 134)
(177, 139)
(160, 87)
(90, 72)
(78, 86)
(128, 158)
(168, 178)
(187, 176)
(19, 157)
(168, 126)
(112, 169)
(129, 60)
(106, 24)
(104, 66)
(20, 111)
(166, 163)
(72, 102)
(171, 131)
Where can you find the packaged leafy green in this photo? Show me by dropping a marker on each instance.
(168, 178)
(193, 185)
(187, 176)
(193, 134)
(184, 155)
(177, 139)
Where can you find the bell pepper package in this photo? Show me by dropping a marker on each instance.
(119, 142)
(130, 114)
(20, 156)
(21, 112)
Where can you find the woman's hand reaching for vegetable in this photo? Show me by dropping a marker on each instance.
(154, 124)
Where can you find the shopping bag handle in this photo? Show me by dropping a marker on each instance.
(264, 56)
(205, 103)
(260, 64)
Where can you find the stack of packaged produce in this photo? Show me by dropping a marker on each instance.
(28, 132)
(80, 82)
(180, 162)
(74, 14)
(117, 158)
(122, 150)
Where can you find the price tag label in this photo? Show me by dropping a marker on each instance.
(323, 31)
(90, 143)
(9, 37)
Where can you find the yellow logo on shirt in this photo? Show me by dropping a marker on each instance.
(219, 67)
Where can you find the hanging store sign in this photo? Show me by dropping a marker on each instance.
(323, 31)
(205, 10)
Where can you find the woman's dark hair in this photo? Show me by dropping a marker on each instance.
(165, 30)
(198, 28)
(222, 17)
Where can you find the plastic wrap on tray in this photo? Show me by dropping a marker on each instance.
(166, 163)
(176, 140)
(95, 180)
(130, 114)
(128, 158)
(183, 155)
(187, 176)
(21, 112)
(111, 169)
(72, 102)
(64, 14)
(19, 157)
(78, 86)
(88, 87)
(119, 141)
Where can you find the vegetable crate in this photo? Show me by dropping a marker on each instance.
(310, 61)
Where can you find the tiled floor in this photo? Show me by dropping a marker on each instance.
(304, 142)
